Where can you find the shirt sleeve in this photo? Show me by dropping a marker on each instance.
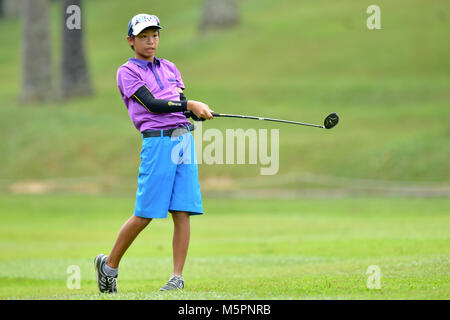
(128, 81)
(180, 83)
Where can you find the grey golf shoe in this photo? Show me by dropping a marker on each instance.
(105, 283)
(175, 283)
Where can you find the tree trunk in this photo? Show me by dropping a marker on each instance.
(75, 80)
(219, 14)
(36, 52)
(10, 8)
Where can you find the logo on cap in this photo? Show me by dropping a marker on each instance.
(142, 21)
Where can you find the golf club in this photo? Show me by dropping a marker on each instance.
(330, 121)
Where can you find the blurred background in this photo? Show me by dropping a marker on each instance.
(373, 191)
(65, 129)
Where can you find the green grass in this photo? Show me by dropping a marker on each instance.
(241, 249)
(289, 59)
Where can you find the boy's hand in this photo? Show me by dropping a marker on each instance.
(200, 109)
(189, 114)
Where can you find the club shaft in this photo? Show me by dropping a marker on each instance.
(265, 119)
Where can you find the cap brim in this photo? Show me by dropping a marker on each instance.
(143, 26)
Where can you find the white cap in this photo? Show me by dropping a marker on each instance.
(140, 22)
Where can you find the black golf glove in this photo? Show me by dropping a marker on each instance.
(190, 114)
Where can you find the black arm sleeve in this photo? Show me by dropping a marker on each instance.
(189, 114)
(145, 97)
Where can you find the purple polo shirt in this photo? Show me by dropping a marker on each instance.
(162, 79)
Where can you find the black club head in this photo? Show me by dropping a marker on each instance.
(331, 120)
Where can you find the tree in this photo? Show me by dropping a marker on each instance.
(36, 51)
(10, 8)
(75, 80)
(218, 14)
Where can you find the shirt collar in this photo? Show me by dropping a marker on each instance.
(143, 64)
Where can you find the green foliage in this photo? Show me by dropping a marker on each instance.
(288, 59)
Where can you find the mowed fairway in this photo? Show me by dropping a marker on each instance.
(240, 249)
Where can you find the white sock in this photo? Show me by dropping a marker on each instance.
(110, 272)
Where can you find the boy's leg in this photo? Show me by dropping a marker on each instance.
(180, 242)
(180, 245)
(127, 234)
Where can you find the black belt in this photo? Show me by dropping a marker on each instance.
(168, 132)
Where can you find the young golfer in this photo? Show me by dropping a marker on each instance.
(152, 90)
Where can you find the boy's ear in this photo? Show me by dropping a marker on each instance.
(130, 40)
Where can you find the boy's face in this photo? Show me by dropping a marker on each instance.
(145, 43)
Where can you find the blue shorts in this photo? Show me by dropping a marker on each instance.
(168, 177)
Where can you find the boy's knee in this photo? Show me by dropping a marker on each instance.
(141, 221)
(179, 216)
